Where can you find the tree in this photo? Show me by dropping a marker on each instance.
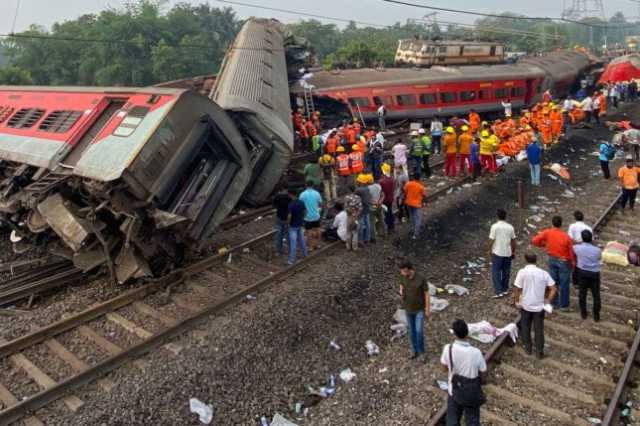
(15, 76)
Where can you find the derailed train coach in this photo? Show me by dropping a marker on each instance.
(132, 178)
(260, 107)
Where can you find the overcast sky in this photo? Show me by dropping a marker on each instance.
(46, 12)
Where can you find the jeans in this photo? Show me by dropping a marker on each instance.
(381, 123)
(604, 165)
(296, 237)
(500, 271)
(416, 165)
(589, 281)
(376, 163)
(282, 233)
(373, 223)
(416, 331)
(415, 213)
(364, 228)
(455, 412)
(535, 174)
(537, 319)
(389, 218)
(436, 143)
(560, 271)
(477, 168)
(630, 196)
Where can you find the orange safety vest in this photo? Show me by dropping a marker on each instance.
(311, 129)
(357, 162)
(474, 122)
(331, 145)
(343, 165)
(351, 136)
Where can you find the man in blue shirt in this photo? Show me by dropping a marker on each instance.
(588, 274)
(313, 203)
(296, 221)
(533, 155)
(474, 158)
(607, 153)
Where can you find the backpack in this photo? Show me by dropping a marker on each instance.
(610, 152)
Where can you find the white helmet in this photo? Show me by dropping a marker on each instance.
(414, 133)
(421, 131)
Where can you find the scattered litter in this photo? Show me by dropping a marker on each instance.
(372, 348)
(594, 420)
(334, 345)
(432, 289)
(246, 250)
(456, 289)
(383, 370)
(204, 411)
(482, 331)
(615, 253)
(522, 155)
(467, 185)
(477, 183)
(278, 420)
(552, 177)
(450, 191)
(222, 250)
(250, 297)
(510, 328)
(347, 375)
(531, 225)
(536, 218)
(467, 279)
(602, 360)
(438, 305)
(625, 233)
(441, 184)
(534, 208)
(230, 258)
(568, 194)
(443, 385)
(542, 197)
(264, 421)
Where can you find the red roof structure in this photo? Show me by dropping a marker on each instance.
(623, 68)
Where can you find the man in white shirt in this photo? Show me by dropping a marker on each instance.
(576, 228)
(587, 107)
(508, 108)
(382, 113)
(534, 288)
(467, 362)
(399, 152)
(502, 247)
(339, 226)
(436, 135)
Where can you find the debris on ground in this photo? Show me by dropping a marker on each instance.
(347, 375)
(438, 305)
(204, 411)
(561, 171)
(333, 345)
(456, 289)
(372, 348)
(615, 253)
(279, 420)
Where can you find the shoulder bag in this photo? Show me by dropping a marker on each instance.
(465, 392)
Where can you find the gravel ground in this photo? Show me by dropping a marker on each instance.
(257, 360)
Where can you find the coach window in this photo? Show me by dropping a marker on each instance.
(406, 100)
(382, 100)
(428, 98)
(468, 96)
(484, 94)
(502, 93)
(517, 92)
(359, 102)
(448, 97)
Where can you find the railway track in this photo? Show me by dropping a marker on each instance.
(583, 377)
(53, 361)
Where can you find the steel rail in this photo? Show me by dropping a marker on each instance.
(441, 414)
(54, 393)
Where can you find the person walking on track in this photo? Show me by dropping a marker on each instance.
(628, 175)
(464, 365)
(588, 273)
(533, 288)
(502, 245)
(416, 302)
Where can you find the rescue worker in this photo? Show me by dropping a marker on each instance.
(602, 106)
(426, 153)
(344, 169)
(486, 151)
(416, 148)
(331, 145)
(495, 142)
(556, 124)
(311, 129)
(464, 142)
(450, 142)
(297, 119)
(356, 160)
(304, 136)
(328, 166)
(315, 118)
(474, 121)
(351, 135)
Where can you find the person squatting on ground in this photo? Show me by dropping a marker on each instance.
(502, 247)
(562, 259)
(313, 212)
(533, 288)
(628, 175)
(338, 229)
(588, 274)
(416, 302)
(464, 365)
(297, 213)
(414, 193)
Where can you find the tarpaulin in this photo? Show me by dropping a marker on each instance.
(623, 68)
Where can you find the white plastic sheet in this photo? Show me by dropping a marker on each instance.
(204, 411)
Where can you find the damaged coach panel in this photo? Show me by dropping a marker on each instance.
(253, 88)
(128, 178)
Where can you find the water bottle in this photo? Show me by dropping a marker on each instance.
(332, 381)
(263, 421)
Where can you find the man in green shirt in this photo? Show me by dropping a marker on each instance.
(313, 173)
(416, 302)
(426, 152)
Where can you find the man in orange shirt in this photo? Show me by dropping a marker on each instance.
(562, 258)
(414, 193)
(556, 123)
(464, 141)
(474, 121)
(628, 175)
(331, 144)
(450, 142)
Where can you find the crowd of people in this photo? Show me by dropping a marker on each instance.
(370, 191)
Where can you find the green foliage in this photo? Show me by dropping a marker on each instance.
(136, 46)
(14, 76)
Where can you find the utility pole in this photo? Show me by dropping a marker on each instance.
(576, 10)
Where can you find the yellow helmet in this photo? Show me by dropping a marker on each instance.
(370, 178)
(386, 169)
(340, 149)
(465, 128)
(362, 178)
(484, 134)
(450, 129)
(355, 147)
(327, 158)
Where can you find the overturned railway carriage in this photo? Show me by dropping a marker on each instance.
(422, 93)
(253, 88)
(122, 177)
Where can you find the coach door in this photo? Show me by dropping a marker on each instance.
(531, 91)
